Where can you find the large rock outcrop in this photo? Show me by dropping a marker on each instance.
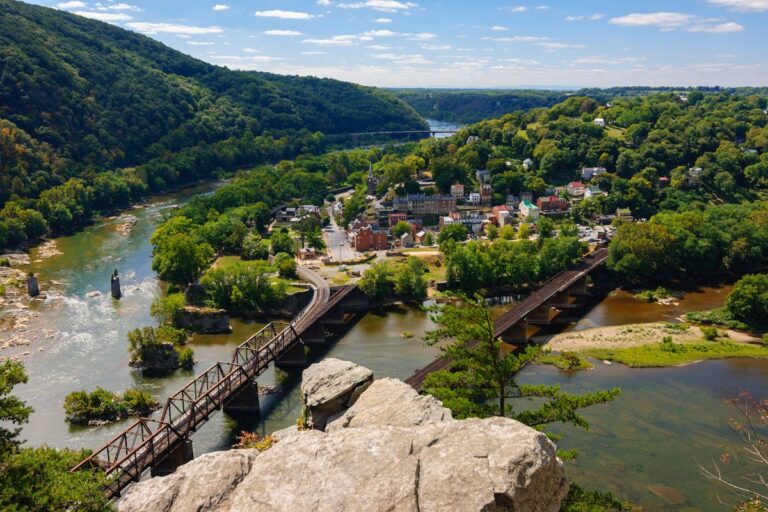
(390, 450)
(330, 387)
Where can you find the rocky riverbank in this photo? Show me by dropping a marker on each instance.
(376, 445)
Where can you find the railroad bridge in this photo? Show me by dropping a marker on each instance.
(164, 444)
(517, 325)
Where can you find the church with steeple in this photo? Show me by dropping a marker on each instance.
(373, 181)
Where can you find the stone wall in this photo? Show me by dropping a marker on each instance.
(376, 446)
(204, 320)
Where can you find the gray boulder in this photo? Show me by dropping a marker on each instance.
(330, 387)
(391, 402)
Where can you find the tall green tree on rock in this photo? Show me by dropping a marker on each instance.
(480, 379)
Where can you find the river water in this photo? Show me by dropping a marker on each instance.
(644, 446)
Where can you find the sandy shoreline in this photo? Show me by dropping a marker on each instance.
(631, 335)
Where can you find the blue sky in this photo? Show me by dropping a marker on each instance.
(451, 43)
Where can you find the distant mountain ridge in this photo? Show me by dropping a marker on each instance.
(102, 96)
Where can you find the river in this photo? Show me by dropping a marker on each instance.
(643, 446)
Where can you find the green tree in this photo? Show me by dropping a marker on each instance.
(180, 260)
(376, 281)
(168, 309)
(480, 379)
(748, 301)
(254, 248)
(286, 265)
(401, 228)
(410, 282)
(282, 242)
(454, 232)
(12, 410)
(642, 252)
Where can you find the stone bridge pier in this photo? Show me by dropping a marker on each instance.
(178, 456)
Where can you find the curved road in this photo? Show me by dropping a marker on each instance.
(320, 297)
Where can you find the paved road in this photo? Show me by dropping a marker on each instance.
(336, 240)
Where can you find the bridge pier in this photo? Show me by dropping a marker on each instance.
(579, 287)
(563, 300)
(314, 334)
(516, 334)
(245, 402)
(542, 315)
(294, 357)
(180, 455)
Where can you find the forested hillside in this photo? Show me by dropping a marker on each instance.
(79, 97)
(471, 106)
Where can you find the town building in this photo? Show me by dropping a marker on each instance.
(421, 236)
(527, 164)
(600, 122)
(587, 173)
(593, 191)
(501, 215)
(395, 217)
(549, 204)
(368, 239)
(406, 240)
(663, 182)
(420, 204)
(474, 198)
(529, 210)
(486, 194)
(624, 214)
(526, 195)
(694, 175)
(457, 190)
(482, 175)
(512, 202)
(575, 189)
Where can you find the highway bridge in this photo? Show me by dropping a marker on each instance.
(540, 308)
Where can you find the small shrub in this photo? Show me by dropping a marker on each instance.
(186, 358)
(5, 262)
(710, 333)
(252, 440)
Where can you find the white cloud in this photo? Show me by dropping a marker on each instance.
(200, 43)
(378, 47)
(324, 2)
(285, 15)
(380, 5)
(171, 28)
(720, 28)
(117, 7)
(109, 17)
(667, 21)
(517, 39)
(251, 50)
(71, 5)
(598, 59)
(498, 28)
(519, 8)
(436, 47)
(314, 53)
(743, 5)
(221, 7)
(404, 59)
(553, 45)
(421, 36)
(283, 33)
(590, 17)
(380, 33)
(542, 7)
(342, 40)
(664, 20)
(383, 20)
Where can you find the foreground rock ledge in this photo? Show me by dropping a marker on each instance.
(389, 450)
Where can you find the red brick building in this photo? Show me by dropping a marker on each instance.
(366, 239)
(552, 204)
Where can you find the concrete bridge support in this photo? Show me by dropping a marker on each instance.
(563, 300)
(246, 402)
(543, 315)
(180, 455)
(579, 287)
(516, 334)
(294, 357)
(314, 334)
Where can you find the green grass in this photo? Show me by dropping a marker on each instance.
(675, 354)
(226, 261)
(615, 132)
(565, 360)
(717, 316)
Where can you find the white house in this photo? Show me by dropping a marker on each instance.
(527, 163)
(593, 191)
(600, 122)
(528, 209)
(474, 198)
(587, 173)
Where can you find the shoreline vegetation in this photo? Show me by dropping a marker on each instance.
(656, 344)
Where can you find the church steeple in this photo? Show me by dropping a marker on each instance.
(372, 181)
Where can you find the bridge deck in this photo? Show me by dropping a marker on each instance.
(549, 289)
(146, 442)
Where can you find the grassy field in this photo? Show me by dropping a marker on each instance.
(676, 354)
(615, 132)
(565, 360)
